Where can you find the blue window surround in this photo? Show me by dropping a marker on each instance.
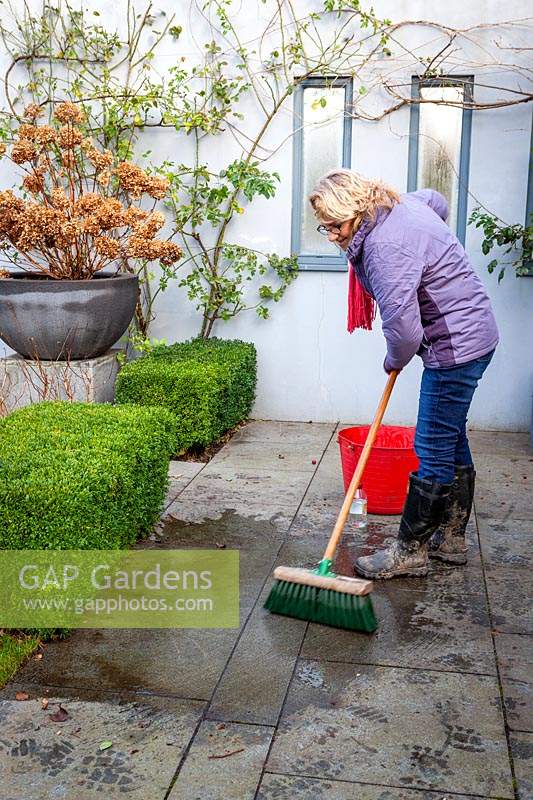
(308, 261)
(464, 159)
(529, 199)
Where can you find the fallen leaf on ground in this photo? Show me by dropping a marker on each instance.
(60, 715)
(105, 745)
(22, 696)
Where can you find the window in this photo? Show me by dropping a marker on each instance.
(322, 141)
(439, 143)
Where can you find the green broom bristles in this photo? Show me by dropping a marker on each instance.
(342, 609)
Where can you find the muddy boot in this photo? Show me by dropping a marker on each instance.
(422, 513)
(448, 542)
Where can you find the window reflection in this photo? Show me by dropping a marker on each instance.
(322, 148)
(439, 143)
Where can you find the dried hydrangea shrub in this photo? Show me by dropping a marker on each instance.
(76, 217)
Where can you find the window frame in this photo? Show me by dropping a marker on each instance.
(466, 81)
(529, 199)
(308, 261)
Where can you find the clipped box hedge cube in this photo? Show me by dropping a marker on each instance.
(209, 384)
(82, 476)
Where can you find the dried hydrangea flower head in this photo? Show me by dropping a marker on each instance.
(77, 217)
(69, 112)
(23, 151)
(136, 182)
(34, 183)
(46, 134)
(68, 137)
(27, 131)
(32, 111)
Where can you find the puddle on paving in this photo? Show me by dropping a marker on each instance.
(230, 530)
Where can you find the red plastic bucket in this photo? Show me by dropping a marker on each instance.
(386, 475)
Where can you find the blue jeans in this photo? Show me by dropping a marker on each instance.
(441, 443)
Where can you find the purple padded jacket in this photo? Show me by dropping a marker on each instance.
(430, 300)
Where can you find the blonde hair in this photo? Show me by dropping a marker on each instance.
(342, 194)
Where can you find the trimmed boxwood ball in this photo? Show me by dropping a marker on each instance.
(82, 476)
(209, 384)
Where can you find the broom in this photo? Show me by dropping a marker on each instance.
(320, 595)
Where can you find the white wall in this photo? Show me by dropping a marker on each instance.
(310, 368)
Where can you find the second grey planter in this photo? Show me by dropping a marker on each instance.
(62, 320)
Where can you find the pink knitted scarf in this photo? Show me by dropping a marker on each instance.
(361, 305)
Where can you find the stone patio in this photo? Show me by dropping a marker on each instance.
(434, 705)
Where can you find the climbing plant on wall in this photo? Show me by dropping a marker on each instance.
(224, 92)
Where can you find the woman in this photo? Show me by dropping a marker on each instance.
(405, 258)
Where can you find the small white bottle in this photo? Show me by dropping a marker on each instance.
(358, 508)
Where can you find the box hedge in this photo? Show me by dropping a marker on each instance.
(209, 384)
(82, 476)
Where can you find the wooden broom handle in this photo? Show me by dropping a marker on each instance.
(361, 464)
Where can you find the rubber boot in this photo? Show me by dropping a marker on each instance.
(448, 542)
(422, 514)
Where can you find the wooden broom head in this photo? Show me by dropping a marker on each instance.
(340, 583)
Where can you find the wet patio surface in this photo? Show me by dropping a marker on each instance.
(436, 704)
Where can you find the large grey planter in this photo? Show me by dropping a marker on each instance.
(47, 319)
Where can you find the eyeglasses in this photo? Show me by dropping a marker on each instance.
(327, 229)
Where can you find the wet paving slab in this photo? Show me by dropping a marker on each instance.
(287, 457)
(522, 752)
(265, 494)
(343, 721)
(180, 474)
(257, 542)
(518, 702)
(515, 660)
(506, 543)
(325, 495)
(515, 655)
(417, 630)
(290, 787)
(224, 763)
(510, 591)
(496, 500)
(255, 681)
(44, 759)
(318, 433)
(184, 662)
(440, 621)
